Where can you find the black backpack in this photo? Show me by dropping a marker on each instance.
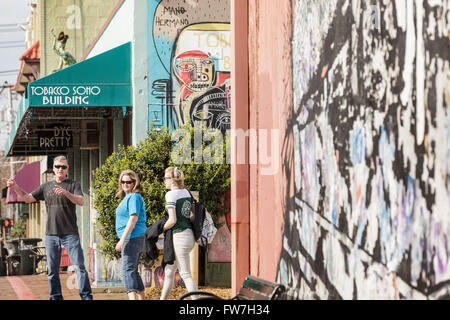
(197, 217)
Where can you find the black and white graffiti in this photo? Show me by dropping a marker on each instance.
(371, 156)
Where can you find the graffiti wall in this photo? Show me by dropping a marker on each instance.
(370, 217)
(189, 63)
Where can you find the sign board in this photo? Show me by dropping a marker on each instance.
(78, 95)
(59, 137)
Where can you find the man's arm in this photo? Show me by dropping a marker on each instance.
(26, 197)
(75, 198)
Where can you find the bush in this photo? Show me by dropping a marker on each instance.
(19, 230)
(148, 159)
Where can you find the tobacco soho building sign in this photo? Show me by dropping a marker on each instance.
(66, 95)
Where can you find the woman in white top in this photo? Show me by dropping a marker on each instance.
(178, 205)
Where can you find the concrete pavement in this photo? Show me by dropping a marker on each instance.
(35, 287)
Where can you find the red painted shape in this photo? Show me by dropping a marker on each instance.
(20, 288)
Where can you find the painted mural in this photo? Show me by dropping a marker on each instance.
(189, 63)
(370, 218)
(220, 248)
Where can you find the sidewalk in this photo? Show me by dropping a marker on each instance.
(35, 287)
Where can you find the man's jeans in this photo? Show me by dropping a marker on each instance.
(72, 245)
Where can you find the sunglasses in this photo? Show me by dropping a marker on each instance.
(57, 166)
(127, 182)
(166, 178)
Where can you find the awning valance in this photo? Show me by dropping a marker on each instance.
(83, 91)
(103, 80)
(28, 178)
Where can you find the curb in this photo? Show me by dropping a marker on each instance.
(115, 289)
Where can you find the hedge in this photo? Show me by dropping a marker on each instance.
(148, 159)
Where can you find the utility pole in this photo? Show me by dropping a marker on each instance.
(8, 86)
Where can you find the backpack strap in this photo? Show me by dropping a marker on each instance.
(193, 199)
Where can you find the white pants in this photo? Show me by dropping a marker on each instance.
(183, 243)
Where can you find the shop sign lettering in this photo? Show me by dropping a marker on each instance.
(65, 95)
(58, 138)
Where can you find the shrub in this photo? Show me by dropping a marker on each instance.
(19, 230)
(148, 159)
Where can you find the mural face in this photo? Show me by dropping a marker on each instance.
(189, 62)
(370, 217)
(202, 93)
(195, 71)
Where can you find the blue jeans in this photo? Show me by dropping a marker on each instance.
(131, 253)
(72, 245)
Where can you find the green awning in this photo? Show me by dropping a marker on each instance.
(104, 80)
(80, 91)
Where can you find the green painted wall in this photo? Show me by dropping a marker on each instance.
(117, 133)
(218, 274)
(81, 20)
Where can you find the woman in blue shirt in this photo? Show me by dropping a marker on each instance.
(130, 228)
